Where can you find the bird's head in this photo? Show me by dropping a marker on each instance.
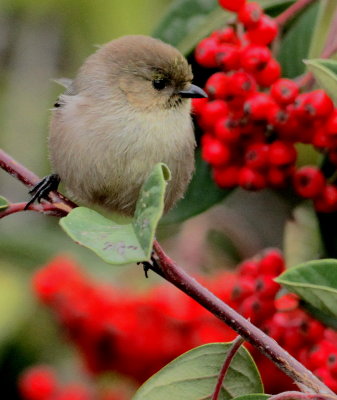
(150, 74)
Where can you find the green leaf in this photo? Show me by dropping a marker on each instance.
(295, 43)
(325, 72)
(325, 15)
(122, 243)
(202, 193)
(194, 374)
(315, 282)
(254, 396)
(188, 21)
(302, 240)
(3, 203)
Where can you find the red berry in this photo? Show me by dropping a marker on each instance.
(282, 154)
(254, 58)
(198, 105)
(264, 32)
(327, 201)
(227, 56)
(226, 35)
(256, 156)
(225, 131)
(269, 74)
(287, 302)
(318, 104)
(250, 13)
(217, 85)
(243, 288)
(272, 262)
(266, 286)
(38, 383)
(284, 91)
(232, 5)
(226, 177)
(251, 179)
(205, 53)
(309, 182)
(277, 177)
(215, 152)
(259, 106)
(211, 112)
(240, 84)
(249, 268)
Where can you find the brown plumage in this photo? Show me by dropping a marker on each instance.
(125, 111)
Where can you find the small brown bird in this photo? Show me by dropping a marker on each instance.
(127, 109)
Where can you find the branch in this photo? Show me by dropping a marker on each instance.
(229, 357)
(265, 344)
(166, 268)
(291, 12)
(58, 206)
(292, 395)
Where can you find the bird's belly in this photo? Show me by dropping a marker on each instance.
(109, 168)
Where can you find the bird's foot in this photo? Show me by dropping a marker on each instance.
(42, 189)
(147, 265)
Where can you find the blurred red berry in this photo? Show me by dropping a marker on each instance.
(251, 179)
(38, 383)
(226, 177)
(282, 154)
(284, 91)
(256, 156)
(309, 182)
(250, 13)
(205, 53)
(254, 58)
(227, 56)
(216, 153)
(211, 112)
(232, 5)
(264, 32)
(217, 85)
(327, 201)
(259, 106)
(269, 74)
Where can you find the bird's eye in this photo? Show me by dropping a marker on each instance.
(159, 84)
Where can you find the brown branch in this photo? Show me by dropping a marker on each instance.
(291, 12)
(166, 268)
(229, 357)
(59, 205)
(292, 395)
(265, 344)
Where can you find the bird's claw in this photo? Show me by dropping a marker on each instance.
(42, 189)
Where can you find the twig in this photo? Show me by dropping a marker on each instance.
(265, 344)
(292, 395)
(291, 11)
(59, 205)
(229, 357)
(166, 268)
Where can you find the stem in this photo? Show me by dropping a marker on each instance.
(59, 204)
(292, 395)
(265, 344)
(291, 12)
(166, 268)
(45, 208)
(229, 357)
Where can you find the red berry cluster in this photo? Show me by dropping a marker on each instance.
(136, 335)
(41, 383)
(253, 118)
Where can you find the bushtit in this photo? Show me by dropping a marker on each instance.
(127, 109)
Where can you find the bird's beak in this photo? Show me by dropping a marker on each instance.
(193, 92)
